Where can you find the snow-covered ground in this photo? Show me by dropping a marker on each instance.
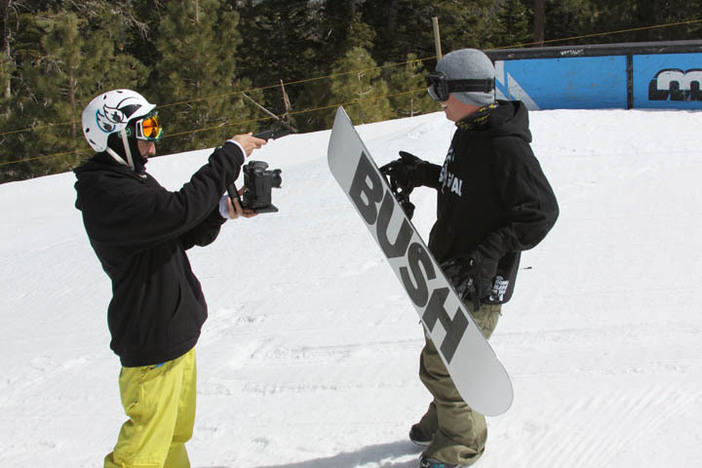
(309, 358)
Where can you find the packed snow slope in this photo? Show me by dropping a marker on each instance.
(309, 358)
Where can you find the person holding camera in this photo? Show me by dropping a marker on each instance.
(494, 201)
(140, 233)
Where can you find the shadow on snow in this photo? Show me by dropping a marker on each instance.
(382, 454)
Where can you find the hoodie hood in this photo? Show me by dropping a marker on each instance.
(505, 118)
(93, 174)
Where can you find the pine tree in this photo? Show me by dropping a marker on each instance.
(406, 27)
(282, 44)
(358, 86)
(512, 25)
(408, 89)
(334, 35)
(564, 18)
(64, 62)
(606, 16)
(200, 96)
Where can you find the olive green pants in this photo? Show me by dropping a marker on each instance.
(160, 403)
(459, 432)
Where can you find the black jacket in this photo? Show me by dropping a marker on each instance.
(493, 196)
(140, 232)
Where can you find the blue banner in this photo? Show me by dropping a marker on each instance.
(564, 83)
(668, 81)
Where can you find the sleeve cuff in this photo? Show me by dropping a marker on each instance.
(238, 146)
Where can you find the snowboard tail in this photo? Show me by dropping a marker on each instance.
(476, 371)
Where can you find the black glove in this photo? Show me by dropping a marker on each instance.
(400, 174)
(472, 275)
(407, 172)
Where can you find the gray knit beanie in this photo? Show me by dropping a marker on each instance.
(469, 64)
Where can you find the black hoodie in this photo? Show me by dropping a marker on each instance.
(493, 195)
(140, 232)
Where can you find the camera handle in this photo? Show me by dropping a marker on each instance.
(273, 134)
(234, 194)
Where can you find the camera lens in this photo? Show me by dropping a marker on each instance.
(277, 180)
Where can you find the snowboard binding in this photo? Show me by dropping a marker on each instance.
(401, 191)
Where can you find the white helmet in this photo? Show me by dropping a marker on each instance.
(109, 113)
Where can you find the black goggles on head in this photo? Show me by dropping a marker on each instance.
(439, 87)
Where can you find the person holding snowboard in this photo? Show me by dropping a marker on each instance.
(493, 202)
(140, 233)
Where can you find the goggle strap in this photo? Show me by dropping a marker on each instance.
(128, 152)
(471, 86)
(116, 156)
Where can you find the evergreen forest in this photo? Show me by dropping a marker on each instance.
(221, 67)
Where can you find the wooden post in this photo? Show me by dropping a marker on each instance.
(437, 37)
(539, 22)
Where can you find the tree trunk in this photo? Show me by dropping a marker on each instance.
(5, 15)
(539, 22)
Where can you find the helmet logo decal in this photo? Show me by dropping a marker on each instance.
(109, 117)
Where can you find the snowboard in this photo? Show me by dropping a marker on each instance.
(479, 376)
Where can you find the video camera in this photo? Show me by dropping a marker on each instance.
(259, 181)
(258, 185)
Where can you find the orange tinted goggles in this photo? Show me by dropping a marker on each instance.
(149, 128)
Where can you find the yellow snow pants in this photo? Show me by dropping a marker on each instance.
(160, 403)
(459, 432)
